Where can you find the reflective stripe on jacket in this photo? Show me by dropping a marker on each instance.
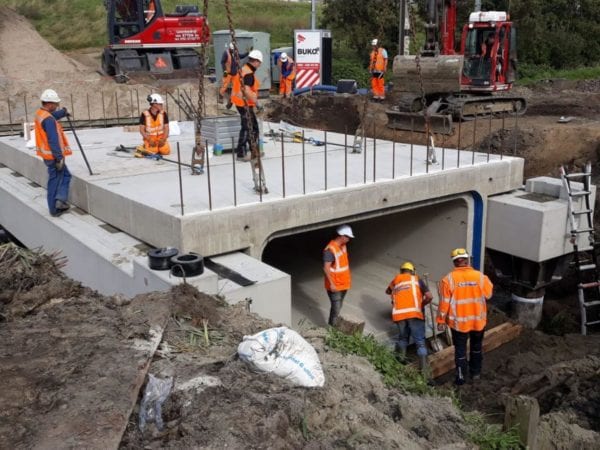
(377, 63)
(42, 146)
(155, 126)
(463, 304)
(237, 98)
(339, 271)
(407, 297)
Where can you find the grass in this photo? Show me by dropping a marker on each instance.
(409, 380)
(74, 24)
(530, 74)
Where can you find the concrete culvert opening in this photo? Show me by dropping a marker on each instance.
(423, 235)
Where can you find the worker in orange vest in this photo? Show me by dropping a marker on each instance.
(52, 145)
(154, 128)
(287, 74)
(377, 67)
(464, 292)
(244, 96)
(229, 66)
(409, 295)
(336, 266)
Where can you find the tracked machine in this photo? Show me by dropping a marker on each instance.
(142, 38)
(441, 85)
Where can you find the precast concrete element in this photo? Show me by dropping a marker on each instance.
(527, 311)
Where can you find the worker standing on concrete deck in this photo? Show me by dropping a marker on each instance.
(52, 145)
(230, 68)
(244, 96)
(287, 74)
(377, 67)
(154, 128)
(464, 292)
(409, 296)
(336, 266)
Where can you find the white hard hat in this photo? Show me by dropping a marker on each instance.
(256, 54)
(155, 98)
(345, 230)
(230, 45)
(50, 95)
(283, 57)
(374, 42)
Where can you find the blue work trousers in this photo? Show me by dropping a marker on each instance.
(460, 354)
(415, 328)
(58, 185)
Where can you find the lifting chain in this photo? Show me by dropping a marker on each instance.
(431, 157)
(199, 152)
(258, 174)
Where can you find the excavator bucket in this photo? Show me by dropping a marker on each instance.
(439, 74)
(411, 121)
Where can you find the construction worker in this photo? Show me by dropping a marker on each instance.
(464, 292)
(287, 74)
(377, 67)
(244, 95)
(336, 266)
(154, 128)
(409, 295)
(149, 10)
(52, 145)
(229, 66)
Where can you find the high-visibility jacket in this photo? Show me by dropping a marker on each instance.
(377, 63)
(464, 293)
(155, 126)
(407, 297)
(339, 271)
(237, 98)
(42, 147)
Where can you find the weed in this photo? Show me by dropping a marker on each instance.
(490, 436)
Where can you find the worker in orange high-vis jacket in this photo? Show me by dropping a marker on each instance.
(154, 127)
(244, 95)
(52, 145)
(230, 68)
(377, 67)
(409, 295)
(464, 293)
(287, 74)
(336, 266)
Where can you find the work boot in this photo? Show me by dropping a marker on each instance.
(229, 105)
(61, 206)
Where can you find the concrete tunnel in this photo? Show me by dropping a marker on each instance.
(423, 234)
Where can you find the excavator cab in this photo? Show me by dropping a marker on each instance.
(142, 38)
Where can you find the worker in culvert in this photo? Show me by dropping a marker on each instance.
(409, 296)
(52, 145)
(244, 96)
(336, 266)
(287, 74)
(154, 128)
(464, 292)
(230, 68)
(377, 67)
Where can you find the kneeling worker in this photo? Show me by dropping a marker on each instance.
(409, 296)
(154, 128)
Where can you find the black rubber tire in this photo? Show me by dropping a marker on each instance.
(187, 265)
(160, 258)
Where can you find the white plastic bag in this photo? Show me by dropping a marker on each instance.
(285, 353)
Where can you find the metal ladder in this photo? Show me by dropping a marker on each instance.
(581, 220)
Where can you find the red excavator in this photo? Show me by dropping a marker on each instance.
(142, 38)
(456, 85)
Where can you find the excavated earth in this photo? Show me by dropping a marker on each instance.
(66, 352)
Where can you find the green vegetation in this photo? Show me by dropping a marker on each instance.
(531, 74)
(408, 379)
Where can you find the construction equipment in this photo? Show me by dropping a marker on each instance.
(581, 220)
(441, 85)
(140, 152)
(436, 345)
(142, 38)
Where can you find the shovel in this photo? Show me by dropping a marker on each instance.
(436, 346)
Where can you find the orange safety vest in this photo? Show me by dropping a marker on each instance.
(42, 147)
(377, 63)
(237, 97)
(463, 304)
(155, 127)
(339, 270)
(407, 297)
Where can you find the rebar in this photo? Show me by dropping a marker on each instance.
(180, 180)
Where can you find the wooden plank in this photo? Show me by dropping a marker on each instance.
(443, 361)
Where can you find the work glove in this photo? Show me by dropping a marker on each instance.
(225, 73)
(66, 112)
(441, 326)
(161, 142)
(59, 164)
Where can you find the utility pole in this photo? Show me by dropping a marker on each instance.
(313, 15)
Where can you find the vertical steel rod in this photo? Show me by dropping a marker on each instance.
(103, 108)
(365, 158)
(180, 181)
(233, 165)
(25, 104)
(282, 166)
(374, 152)
(9, 114)
(137, 97)
(117, 107)
(458, 144)
(489, 149)
(473, 144)
(131, 103)
(515, 131)
(394, 154)
(325, 157)
(443, 150)
(72, 112)
(303, 164)
(208, 175)
(178, 105)
(346, 157)
(87, 99)
(412, 146)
